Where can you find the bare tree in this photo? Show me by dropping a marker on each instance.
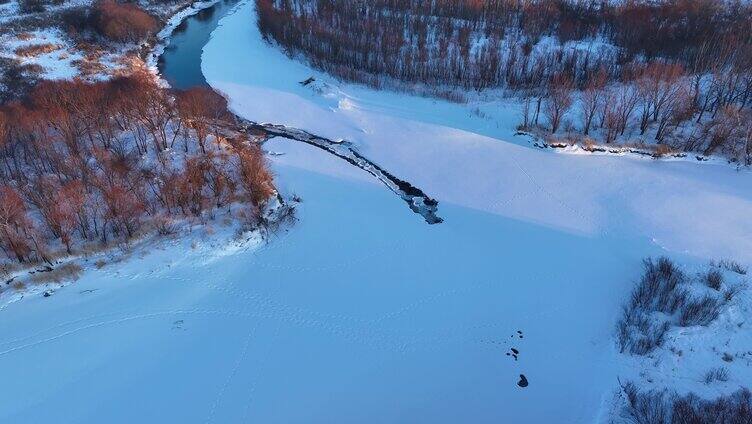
(591, 98)
(657, 84)
(559, 100)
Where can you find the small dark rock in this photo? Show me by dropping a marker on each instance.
(307, 81)
(47, 294)
(523, 381)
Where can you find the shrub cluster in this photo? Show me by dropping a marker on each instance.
(36, 6)
(17, 78)
(656, 100)
(664, 407)
(663, 298)
(730, 265)
(110, 20)
(99, 162)
(123, 22)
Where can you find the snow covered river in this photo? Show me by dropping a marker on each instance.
(362, 312)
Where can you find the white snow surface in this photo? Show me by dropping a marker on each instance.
(362, 312)
(57, 64)
(461, 158)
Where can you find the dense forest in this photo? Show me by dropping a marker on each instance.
(87, 165)
(91, 163)
(481, 44)
(648, 66)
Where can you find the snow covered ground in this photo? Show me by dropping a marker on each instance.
(460, 158)
(57, 63)
(362, 312)
(70, 58)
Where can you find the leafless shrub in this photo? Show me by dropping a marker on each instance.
(663, 407)
(16, 78)
(165, 225)
(269, 225)
(646, 408)
(658, 287)
(732, 409)
(77, 20)
(639, 334)
(34, 50)
(713, 279)
(123, 22)
(699, 311)
(66, 272)
(8, 268)
(661, 299)
(662, 150)
(32, 6)
(716, 374)
(658, 290)
(559, 100)
(450, 95)
(730, 265)
(730, 293)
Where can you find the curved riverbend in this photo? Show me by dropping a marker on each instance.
(180, 63)
(180, 66)
(362, 314)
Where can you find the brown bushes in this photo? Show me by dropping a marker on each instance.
(255, 178)
(123, 22)
(34, 50)
(202, 108)
(67, 272)
(19, 238)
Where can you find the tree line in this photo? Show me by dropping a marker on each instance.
(652, 65)
(86, 164)
(482, 44)
(658, 101)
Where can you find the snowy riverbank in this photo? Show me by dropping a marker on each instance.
(363, 312)
(63, 266)
(163, 36)
(615, 203)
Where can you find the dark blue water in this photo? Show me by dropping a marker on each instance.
(180, 64)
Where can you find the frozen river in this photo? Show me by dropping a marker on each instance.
(363, 313)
